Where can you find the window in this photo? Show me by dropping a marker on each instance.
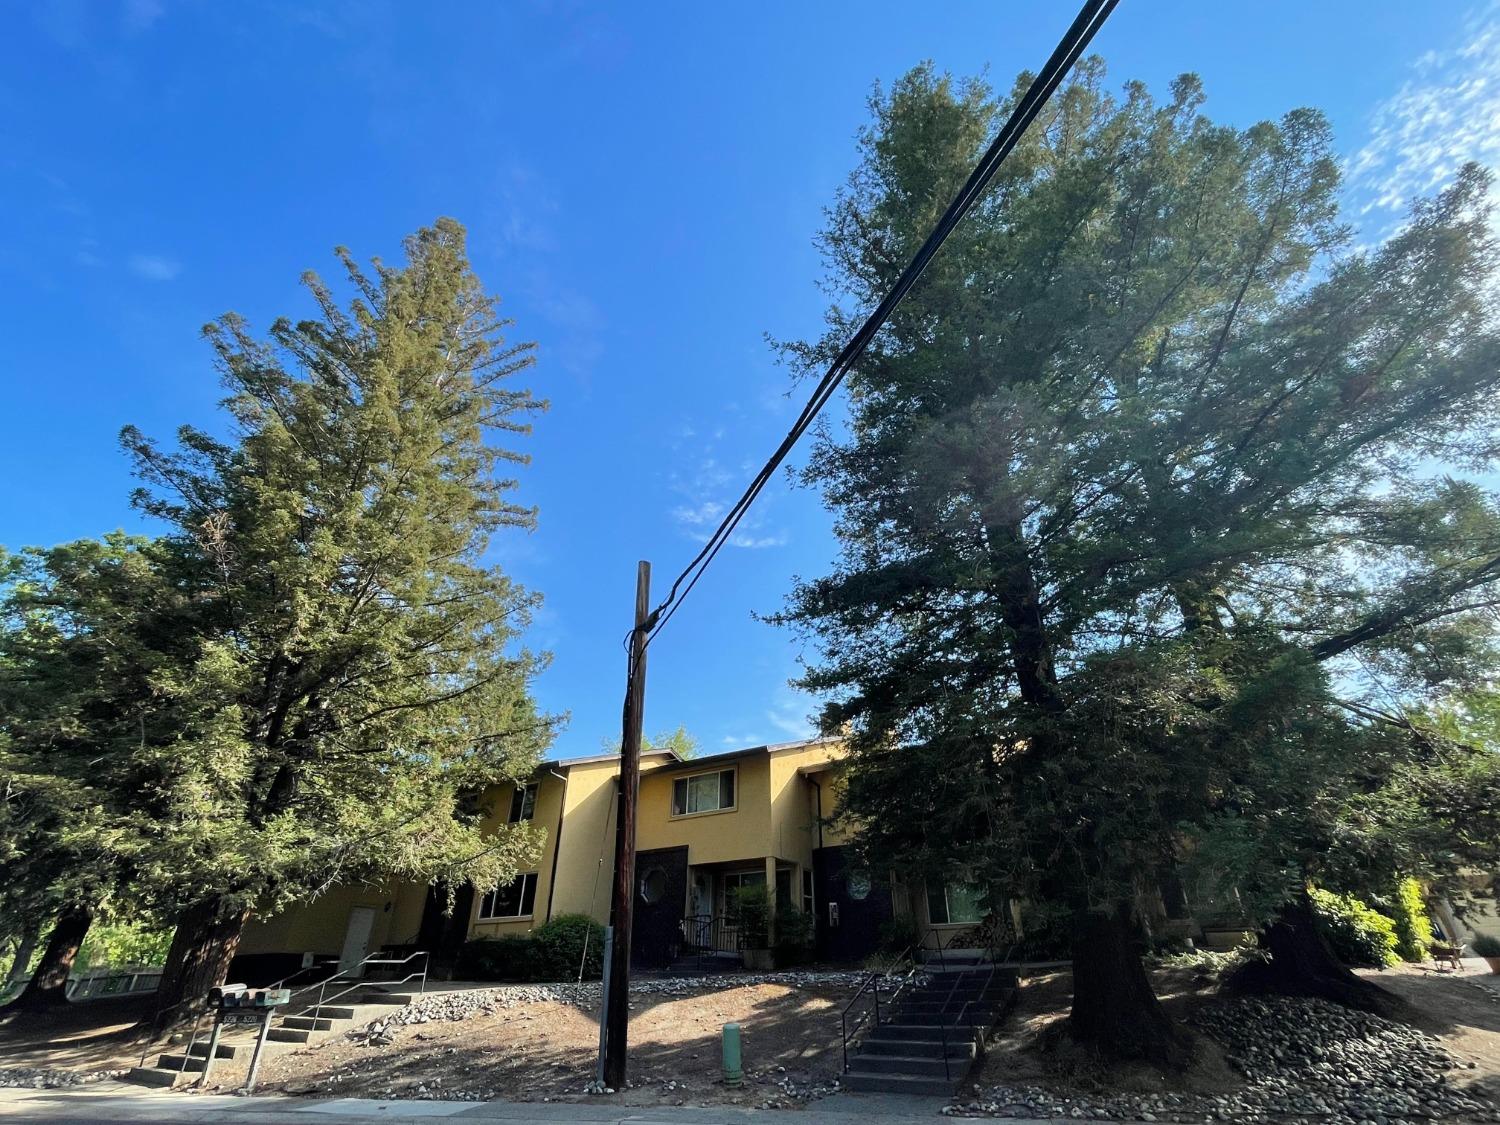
(703, 792)
(956, 903)
(653, 886)
(523, 804)
(807, 892)
(516, 899)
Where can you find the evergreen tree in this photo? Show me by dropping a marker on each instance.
(1148, 470)
(88, 633)
(358, 670)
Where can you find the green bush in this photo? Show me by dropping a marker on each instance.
(1413, 930)
(562, 943)
(511, 958)
(750, 910)
(552, 952)
(900, 934)
(1361, 936)
(793, 944)
(1485, 945)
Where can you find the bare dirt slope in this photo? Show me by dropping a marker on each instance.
(546, 1051)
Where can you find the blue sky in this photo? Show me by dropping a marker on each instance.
(641, 184)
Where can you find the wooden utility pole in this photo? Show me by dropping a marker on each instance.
(617, 1002)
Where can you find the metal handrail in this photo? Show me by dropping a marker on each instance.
(356, 983)
(872, 983)
(282, 983)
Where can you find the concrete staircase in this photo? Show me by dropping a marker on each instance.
(931, 1038)
(300, 1024)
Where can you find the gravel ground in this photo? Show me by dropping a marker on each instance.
(51, 1078)
(1301, 1060)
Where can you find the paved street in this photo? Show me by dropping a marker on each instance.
(110, 1102)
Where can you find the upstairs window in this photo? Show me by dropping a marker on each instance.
(703, 792)
(516, 899)
(523, 803)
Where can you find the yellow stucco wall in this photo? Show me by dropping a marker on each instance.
(318, 927)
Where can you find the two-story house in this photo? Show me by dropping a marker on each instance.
(705, 828)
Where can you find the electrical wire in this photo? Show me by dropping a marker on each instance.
(1069, 49)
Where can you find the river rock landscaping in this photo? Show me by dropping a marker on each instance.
(1301, 1059)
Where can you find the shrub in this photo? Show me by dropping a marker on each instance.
(511, 958)
(794, 937)
(750, 910)
(899, 934)
(562, 943)
(1485, 945)
(1361, 936)
(1413, 930)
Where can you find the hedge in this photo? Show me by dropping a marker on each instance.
(551, 952)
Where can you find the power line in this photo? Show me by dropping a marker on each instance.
(1068, 50)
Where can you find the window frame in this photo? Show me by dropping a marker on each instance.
(943, 898)
(492, 898)
(519, 814)
(686, 780)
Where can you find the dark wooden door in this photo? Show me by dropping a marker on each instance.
(661, 881)
(851, 906)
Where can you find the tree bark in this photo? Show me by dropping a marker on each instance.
(24, 951)
(48, 987)
(205, 942)
(1114, 1009)
(1303, 964)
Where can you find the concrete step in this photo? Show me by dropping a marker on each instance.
(223, 1051)
(154, 1076)
(190, 1063)
(931, 1032)
(972, 1017)
(956, 1066)
(309, 1023)
(388, 998)
(907, 1048)
(289, 1035)
(324, 1011)
(867, 1082)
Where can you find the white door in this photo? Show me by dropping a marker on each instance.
(357, 937)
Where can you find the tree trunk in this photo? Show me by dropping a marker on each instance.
(48, 987)
(205, 942)
(24, 951)
(1114, 1009)
(1303, 964)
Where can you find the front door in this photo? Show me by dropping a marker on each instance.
(357, 937)
(661, 886)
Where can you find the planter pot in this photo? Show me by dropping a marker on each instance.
(757, 960)
(1494, 964)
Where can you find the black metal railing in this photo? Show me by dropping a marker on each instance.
(355, 980)
(709, 936)
(871, 987)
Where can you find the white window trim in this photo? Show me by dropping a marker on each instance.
(673, 814)
(536, 889)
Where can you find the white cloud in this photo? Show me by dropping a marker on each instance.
(710, 489)
(790, 717)
(1445, 115)
(154, 267)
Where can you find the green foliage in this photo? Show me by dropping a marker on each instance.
(749, 909)
(1413, 927)
(550, 953)
(679, 741)
(1361, 937)
(1150, 490)
(571, 940)
(309, 675)
(1485, 945)
(794, 938)
(124, 943)
(900, 934)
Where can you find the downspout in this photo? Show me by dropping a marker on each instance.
(562, 805)
(819, 788)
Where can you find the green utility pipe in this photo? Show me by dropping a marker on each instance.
(733, 1075)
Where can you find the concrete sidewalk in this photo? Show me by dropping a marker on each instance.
(108, 1102)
